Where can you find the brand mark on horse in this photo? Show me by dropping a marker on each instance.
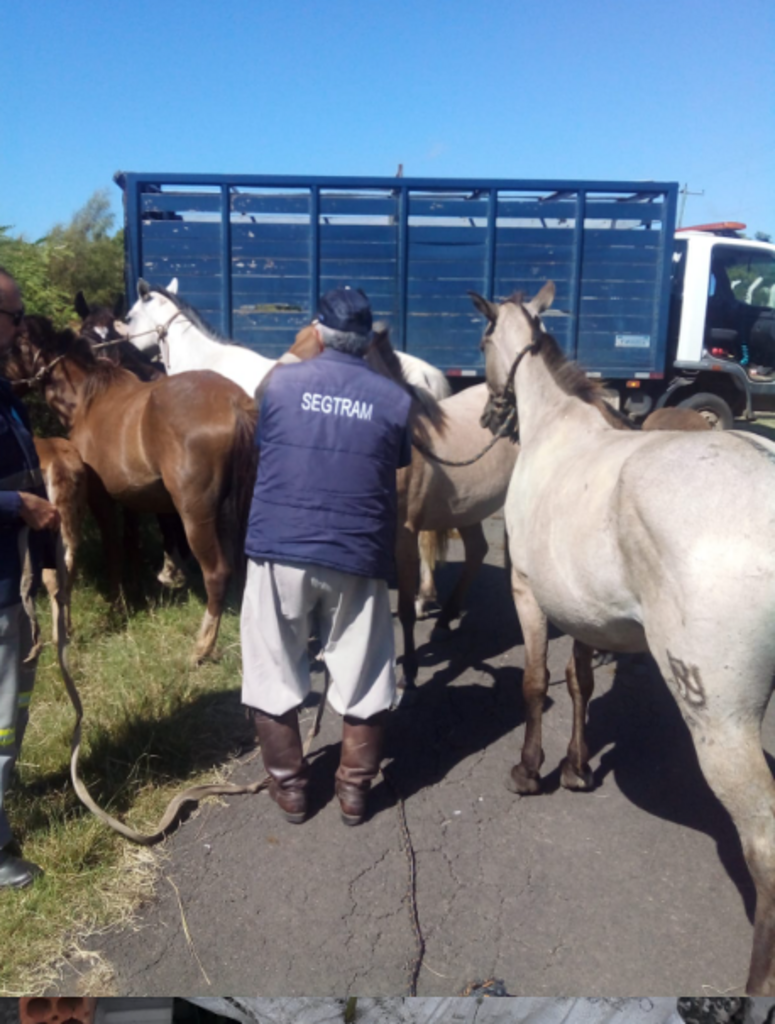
(688, 682)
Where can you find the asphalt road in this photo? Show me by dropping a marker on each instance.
(636, 888)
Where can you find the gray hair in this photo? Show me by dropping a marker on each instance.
(344, 341)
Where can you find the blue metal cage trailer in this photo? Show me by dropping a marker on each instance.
(254, 252)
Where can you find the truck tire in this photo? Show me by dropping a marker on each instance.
(712, 407)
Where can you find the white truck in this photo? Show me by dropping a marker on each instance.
(721, 335)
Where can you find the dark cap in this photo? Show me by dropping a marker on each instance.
(345, 309)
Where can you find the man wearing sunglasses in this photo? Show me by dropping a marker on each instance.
(23, 508)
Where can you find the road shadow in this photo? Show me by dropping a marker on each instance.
(653, 761)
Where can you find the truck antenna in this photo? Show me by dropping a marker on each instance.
(684, 192)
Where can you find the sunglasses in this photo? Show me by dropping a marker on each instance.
(16, 318)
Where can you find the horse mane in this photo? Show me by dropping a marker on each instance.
(571, 377)
(102, 374)
(193, 314)
(574, 381)
(425, 406)
(41, 333)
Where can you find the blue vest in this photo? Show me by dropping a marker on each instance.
(332, 434)
(18, 469)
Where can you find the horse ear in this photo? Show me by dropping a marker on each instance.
(486, 308)
(172, 287)
(543, 300)
(81, 306)
(143, 288)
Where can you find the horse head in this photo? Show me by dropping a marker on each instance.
(513, 329)
(155, 307)
(99, 323)
(509, 332)
(105, 332)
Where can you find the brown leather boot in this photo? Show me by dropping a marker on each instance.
(283, 758)
(362, 743)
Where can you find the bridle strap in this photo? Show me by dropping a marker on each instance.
(40, 375)
(161, 331)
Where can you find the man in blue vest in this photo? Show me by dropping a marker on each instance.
(23, 507)
(320, 540)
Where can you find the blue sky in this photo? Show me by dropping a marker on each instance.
(671, 90)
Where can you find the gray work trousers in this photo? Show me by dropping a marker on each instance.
(16, 682)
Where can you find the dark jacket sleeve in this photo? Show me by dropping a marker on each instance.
(42, 542)
(10, 505)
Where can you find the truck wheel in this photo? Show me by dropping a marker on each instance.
(714, 409)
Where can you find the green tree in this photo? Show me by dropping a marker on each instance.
(79, 256)
(30, 264)
(84, 256)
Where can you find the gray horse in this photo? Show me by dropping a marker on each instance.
(654, 541)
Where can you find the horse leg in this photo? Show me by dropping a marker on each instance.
(428, 542)
(207, 549)
(173, 574)
(576, 773)
(407, 568)
(132, 550)
(723, 700)
(72, 533)
(525, 778)
(476, 548)
(103, 508)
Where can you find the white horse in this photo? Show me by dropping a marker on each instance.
(162, 317)
(629, 541)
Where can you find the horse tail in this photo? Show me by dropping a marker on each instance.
(433, 547)
(243, 457)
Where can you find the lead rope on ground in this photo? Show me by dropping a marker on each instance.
(413, 966)
(192, 795)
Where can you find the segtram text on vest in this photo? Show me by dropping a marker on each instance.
(337, 406)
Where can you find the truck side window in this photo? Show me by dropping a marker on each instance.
(741, 304)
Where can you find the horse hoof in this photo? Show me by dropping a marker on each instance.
(523, 782)
(571, 779)
(200, 657)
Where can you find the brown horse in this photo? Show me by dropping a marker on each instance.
(178, 444)
(64, 475)
(98, 326)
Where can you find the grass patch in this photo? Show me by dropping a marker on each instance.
(152, 725)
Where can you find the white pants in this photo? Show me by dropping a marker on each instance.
(356, 633)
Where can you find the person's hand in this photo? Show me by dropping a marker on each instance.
(38, 513)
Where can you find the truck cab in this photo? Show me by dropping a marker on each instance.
(721, 345)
